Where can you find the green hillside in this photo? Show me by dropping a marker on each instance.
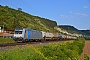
(85, 32)
(72, 29)
(69, 28)
(12, 19)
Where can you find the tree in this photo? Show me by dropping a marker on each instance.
(20, 9)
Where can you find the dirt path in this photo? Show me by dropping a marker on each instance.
(86, 50)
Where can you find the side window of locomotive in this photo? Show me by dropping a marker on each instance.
(25, 31)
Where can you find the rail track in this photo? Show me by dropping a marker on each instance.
(34, 42)
(10, 46)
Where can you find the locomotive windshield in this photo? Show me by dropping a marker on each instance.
(18, 32)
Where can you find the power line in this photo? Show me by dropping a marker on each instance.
(29, 6)
(23, 3)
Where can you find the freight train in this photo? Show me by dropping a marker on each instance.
(25, 34)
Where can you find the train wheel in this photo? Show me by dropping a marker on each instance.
(24, 41)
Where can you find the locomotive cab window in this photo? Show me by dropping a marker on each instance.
(18, 32)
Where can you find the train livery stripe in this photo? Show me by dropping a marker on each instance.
(29, 34)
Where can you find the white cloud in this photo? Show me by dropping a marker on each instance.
(78, 13)
(85, 7)
(70, 12)
(84, 15)
(77, 18)
(71, 16)
(76, 10)
(63, 16)
(81, 14)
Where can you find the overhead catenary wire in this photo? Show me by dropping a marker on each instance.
(24, 4)
(29, 6)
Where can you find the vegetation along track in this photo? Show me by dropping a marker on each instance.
(6, 47)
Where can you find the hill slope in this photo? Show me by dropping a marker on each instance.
(12, 19)
(72, 29)
(85, 32)
(69, 28)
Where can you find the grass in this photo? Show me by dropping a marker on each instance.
(6, 40)
(60, 51)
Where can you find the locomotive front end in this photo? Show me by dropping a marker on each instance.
(18, 35)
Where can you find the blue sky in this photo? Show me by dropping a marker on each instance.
(64, 12)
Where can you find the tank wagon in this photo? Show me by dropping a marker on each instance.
(46, 36)
(25, 34)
